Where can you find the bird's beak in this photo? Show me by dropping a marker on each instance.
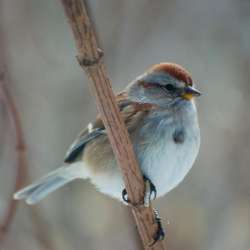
(190, 92)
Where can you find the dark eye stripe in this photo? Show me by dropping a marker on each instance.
(169, 87)
(149, 85)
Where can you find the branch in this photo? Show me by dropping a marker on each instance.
(21, 172)
(20, 148)
(22, 175)
(90, 58)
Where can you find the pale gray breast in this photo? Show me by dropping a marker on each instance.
(167, 145)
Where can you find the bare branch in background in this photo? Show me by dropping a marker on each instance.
(21, 172)
(90, 59)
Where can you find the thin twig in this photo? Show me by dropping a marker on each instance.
(21, 172)
(90, 58)
(22, 175)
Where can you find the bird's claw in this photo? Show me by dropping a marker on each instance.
(150, 193)
(160, 234)
(125, 196)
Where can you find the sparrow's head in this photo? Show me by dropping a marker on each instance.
(163, 84)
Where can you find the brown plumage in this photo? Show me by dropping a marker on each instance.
(132, 113)
(84, 147)
(161, 119)
(175, 71)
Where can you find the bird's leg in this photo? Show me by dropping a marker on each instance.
(150, 193)
(160, 234)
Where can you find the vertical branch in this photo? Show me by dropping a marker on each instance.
(21, 172)
(90, 58)
(9, 104)
(21, 158)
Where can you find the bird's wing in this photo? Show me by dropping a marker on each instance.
(132, 113)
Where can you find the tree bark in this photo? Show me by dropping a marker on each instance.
(90, 57)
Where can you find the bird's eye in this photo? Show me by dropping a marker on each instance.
(170, 87)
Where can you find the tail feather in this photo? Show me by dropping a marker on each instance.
(51, 182)
(43, 190)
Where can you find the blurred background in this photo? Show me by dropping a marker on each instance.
(210, 210)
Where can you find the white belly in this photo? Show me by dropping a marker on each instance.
(162, 160)
(167, 163)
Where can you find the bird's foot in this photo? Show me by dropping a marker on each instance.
(150, 191)
(150, 194)
(160, 234)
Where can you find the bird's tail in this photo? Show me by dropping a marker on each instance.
(51, 182)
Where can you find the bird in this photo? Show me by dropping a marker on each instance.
(159, 111)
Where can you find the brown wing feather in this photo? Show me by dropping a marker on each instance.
(132, 113)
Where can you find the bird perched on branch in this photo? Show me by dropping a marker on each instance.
(160, 114)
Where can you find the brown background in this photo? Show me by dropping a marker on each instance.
(210, 210)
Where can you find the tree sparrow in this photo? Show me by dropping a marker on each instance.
(161, 118)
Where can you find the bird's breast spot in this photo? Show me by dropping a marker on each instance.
(179, 136)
